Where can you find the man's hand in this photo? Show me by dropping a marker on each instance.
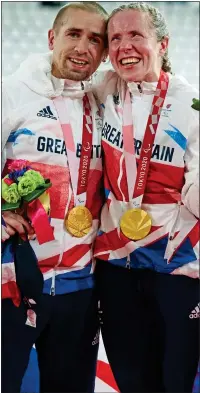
(16, 223)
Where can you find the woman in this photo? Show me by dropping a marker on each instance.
(147, 268)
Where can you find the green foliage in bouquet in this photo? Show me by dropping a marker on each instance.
(196, 104)
(22, 185)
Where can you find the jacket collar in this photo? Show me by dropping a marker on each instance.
(35, 72)
(145, 87)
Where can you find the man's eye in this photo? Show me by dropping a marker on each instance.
(74, 35)
(94, 40)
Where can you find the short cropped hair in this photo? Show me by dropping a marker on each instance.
(90, 6)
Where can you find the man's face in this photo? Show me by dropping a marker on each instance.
(78, 46)
(133, 48)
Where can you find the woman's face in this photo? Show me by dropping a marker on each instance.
(133, 48)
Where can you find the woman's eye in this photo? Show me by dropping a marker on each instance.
(114, 38)
(137, 36)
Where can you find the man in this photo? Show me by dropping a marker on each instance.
(147, 246)
(50, 121)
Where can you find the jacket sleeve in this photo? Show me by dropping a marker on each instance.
(190, 191)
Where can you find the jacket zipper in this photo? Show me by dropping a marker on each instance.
(128, 262)
(139, 88)
(53, 283)
(52, 292)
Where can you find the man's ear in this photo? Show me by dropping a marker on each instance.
(51, 38)
(163, 46)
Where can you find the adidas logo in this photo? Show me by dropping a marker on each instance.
(46, 112)
(196, 312)
(96, 338)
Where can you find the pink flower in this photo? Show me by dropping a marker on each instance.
(18, 165)
(8, 181)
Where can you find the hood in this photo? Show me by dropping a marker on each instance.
(35, 72)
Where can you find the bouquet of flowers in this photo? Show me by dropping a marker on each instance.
(25, 188)
(22, 185)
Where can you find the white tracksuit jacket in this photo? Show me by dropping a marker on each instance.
(31, 131)
(173, 176)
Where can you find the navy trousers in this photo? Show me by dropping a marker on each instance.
(150, 336)
(66, 340)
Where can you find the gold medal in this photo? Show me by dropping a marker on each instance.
(135, 224)
(79, 221)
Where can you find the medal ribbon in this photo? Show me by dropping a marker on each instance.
(79, 168)
(136, 185)
(40, 221)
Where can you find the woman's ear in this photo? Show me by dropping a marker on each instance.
(163, 45)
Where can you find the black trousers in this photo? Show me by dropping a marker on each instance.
(66, 339)
(151, 342)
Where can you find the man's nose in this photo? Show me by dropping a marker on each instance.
(82, 45)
